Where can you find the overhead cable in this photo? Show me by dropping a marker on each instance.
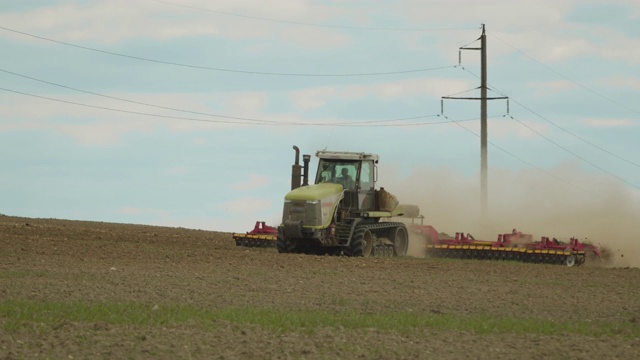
(574, 154)
(224, 69)
(565, 130)
(568, 78)
(133, 101)
(242, 120)
(519, 158)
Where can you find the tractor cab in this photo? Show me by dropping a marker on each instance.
(356, 172)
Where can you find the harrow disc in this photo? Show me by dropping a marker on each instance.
(251, 240)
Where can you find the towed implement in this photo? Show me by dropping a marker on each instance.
(262, 235)
(514, 246)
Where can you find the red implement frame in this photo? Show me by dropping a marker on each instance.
(514, 245)
(262, 235)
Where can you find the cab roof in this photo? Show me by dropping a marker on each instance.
(346, 155)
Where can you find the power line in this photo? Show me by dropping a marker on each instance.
(410, 124)
(519, 158)
(566, 77)
(461, 92)
(563, 129)
(132, 101)
(579, 137)
(244, 121)
(224, 69)
(131, 112)
(307, 23)
(574, 154)
(224, 116)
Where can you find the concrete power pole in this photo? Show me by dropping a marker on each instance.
(484, 192)
(484, 177)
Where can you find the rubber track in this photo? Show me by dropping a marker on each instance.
(383, 250)
(383, 225)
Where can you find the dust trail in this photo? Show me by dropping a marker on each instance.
(607, 214)
(416, 245)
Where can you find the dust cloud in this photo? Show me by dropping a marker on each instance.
(416, 245)
(564, 202)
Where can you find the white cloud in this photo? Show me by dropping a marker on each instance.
(548, 87)
(254, 181)
(410, 87)
(313, 37)
(247, 205)
(524, 13)
(319, 96)
(569, 49)
(101, 132)
(627, 82)
(610, 123)
(505, 127)
(94, 21)
(87, 126)
(177, 170)
(246, 103)
(312, 98)
(540, 31)
(104, 121)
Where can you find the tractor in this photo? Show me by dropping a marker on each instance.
(342, 213)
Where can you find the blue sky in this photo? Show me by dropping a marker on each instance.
(106, 107)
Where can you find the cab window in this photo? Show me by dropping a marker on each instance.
(366, 176)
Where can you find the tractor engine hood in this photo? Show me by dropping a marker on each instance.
(314, 192)
(312, 206)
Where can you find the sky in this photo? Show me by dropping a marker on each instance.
(184, 112)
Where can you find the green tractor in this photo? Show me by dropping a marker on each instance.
(342, 212)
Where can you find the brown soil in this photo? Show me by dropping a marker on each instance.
(89, 262)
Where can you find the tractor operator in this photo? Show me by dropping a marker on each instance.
(346, 180)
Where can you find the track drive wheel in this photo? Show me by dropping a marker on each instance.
(361, 243)
(400, 241)
(285, 245)
(570, 260)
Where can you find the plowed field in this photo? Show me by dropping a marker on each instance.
(72, 289)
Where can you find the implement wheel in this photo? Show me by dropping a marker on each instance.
(570, 260)
(400, 241)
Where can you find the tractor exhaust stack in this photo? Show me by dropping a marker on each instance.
(305, 177)
(296, 170)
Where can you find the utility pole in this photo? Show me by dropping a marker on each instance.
(484, 192)
(483, 126)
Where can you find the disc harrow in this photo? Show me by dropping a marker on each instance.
(262, 235)
(514, 246)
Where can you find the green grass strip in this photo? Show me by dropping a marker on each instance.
(15, 313)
